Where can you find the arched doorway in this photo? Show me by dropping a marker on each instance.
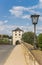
(17, 42)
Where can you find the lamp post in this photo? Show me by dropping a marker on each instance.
(35, 21)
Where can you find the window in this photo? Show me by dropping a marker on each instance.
(15, 34)
(19, 34)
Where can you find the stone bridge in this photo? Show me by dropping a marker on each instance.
(22, 55)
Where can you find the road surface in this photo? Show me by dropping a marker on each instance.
(18, 56)
(5, 51)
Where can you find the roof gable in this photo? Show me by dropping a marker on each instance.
(17, 29)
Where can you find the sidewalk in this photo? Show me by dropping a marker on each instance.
(16, 57)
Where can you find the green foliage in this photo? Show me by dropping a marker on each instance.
(10, 37)
(1, 41)
(28, 37)
(40, 40)
(5, 36)
(4, 41)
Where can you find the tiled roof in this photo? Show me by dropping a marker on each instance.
(17, 29)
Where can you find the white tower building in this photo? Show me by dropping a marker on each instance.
(17, 35)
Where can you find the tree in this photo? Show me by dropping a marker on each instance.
(28, 37)
(4, 39)
(10, 37)
(40, 40)
(5, 36)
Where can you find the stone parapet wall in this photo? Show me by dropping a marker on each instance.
(30, 59)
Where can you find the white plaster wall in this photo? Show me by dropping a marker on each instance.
(17, 37)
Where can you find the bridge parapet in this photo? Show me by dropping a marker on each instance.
(30, 58)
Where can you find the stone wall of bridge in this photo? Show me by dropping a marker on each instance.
(30, 59)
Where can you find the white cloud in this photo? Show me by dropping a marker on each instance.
(18, 11)
(39, 29)
(7, 29)
(6, 21)
(39, 5)
(40, 0)
(1, 28)
(26, 16)
(3, 22)
(40, 18)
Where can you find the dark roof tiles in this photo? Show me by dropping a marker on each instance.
(17, 29)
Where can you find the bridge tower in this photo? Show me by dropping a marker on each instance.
(17, 35)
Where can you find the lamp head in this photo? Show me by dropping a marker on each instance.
(35, 18)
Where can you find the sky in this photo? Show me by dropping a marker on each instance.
(16, 13)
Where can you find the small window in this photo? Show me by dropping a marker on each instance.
(19, 34)
(15, 34)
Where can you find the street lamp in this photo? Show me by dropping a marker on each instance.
(35, 21)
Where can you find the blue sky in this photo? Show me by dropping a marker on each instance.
(16, 13)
